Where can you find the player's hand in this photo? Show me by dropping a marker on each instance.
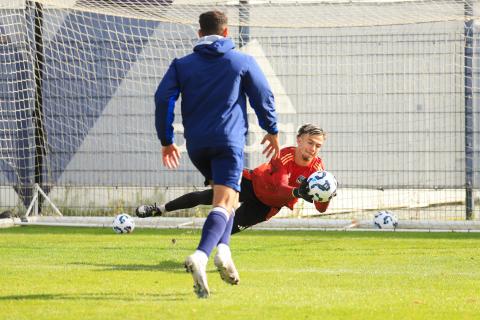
(273, 147)
(170, 156)
(303, 191)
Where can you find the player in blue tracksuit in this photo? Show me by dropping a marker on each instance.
(214, 82)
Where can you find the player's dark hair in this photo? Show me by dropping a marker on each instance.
(213, 22)
(311, 129)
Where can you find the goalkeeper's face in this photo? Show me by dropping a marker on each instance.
(308, 146)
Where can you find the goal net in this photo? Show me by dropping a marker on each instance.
(394, 83)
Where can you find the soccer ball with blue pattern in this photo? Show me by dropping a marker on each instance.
(322, 186)
(123, 223)
(385, 220)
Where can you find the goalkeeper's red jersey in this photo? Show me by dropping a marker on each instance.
(274, 181)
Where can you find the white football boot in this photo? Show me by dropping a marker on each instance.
(197, 267)
(225, 266)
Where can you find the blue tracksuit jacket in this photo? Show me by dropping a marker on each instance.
(213, 82)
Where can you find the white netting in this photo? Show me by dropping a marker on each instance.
(393, 82)
(283, 13)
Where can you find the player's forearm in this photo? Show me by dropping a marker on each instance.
(280, 176)
(267, 116)
(285, 191)
(166, 95)
(164, 124)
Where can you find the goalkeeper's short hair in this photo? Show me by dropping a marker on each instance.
(311, 129)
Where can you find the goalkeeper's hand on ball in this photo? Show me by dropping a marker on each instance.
(303, 191)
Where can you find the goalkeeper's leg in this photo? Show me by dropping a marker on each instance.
(252, 210)
(186, 201)
(249, 214)
(190, 200)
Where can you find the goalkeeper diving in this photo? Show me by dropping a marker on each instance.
(267, 188)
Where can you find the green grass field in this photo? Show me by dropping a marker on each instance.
(86, 273)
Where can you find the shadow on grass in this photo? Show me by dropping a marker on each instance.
(165, 266)
(171, 296)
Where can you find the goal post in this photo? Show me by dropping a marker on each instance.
(394, 83)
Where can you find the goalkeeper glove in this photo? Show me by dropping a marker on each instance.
(302, 191)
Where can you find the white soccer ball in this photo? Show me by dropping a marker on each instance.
(123, 223)
(385, 220)
(322, 185)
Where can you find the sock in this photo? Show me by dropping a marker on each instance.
(213, 229)
(224, 250)
(225, 238)
(162, 208)
(201, 256)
